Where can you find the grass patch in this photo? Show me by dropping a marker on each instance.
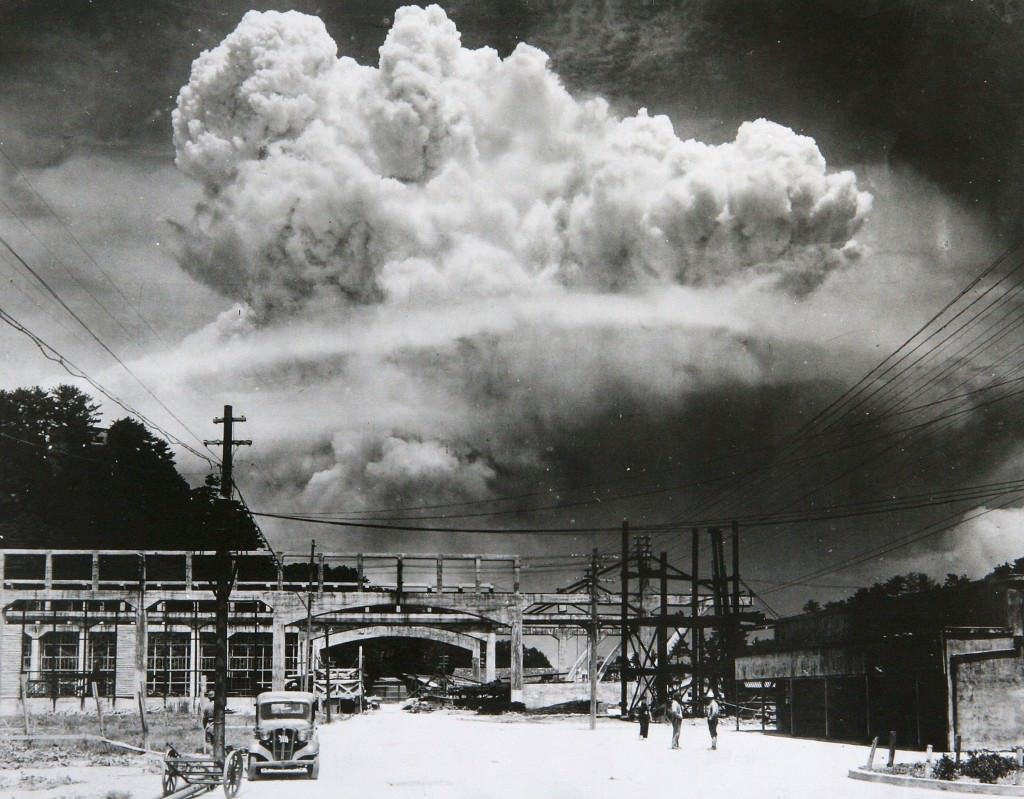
(172, 727)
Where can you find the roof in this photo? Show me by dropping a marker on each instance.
(285, 696)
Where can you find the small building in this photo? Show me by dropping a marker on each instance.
(390, 689)
(932, 667)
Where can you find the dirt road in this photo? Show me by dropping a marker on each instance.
(392, 754)
(438, 755)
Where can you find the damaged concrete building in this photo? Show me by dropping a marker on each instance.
(943, 667)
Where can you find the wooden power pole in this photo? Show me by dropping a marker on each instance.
(225, 580)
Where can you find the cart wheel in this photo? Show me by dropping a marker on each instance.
(233, 769)
(170, 777)
(170, 781)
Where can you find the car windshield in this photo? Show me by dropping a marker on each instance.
(284, 710)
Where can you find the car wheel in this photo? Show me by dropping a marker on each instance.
(314, 770)
(254, 772)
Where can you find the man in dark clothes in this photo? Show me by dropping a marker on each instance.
(643, 715)
(207, 710)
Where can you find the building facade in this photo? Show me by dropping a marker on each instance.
(940, 667)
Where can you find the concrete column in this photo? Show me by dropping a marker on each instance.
(489, 669)
(34, 654)
(188, 571)
(194, 659)
(476, 661)
(440, 575)
(141, 647)
(516, 675)
(562, 664)
(82, 646)
(277, 652)
(95, 571)
(48, 570)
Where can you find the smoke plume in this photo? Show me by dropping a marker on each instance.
(456, 281)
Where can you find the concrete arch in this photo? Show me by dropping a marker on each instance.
(471, 643)
(465, 641)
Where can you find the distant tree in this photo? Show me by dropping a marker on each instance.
(532, 658)
(46, 441)
(955, 580)
(811, 606)
(63, 484)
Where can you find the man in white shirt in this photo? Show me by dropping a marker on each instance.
(714, 711)
(675, 715)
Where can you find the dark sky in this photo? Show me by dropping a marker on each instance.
(573, 348)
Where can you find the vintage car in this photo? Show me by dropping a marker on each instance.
(285, 735)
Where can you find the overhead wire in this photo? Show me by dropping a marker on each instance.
(52, 354)
(84, 250)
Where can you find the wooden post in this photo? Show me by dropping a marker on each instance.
(623, 621)
(99, 707)
(871, 754)
(327, 667)
(956, 745)
(143, 721)
(593, 640)
(661, 676)
(24, 701)
(892, 747)
(696, 633)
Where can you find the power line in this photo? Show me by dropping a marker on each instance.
(93, 335)
(45, 203)
(52, 354)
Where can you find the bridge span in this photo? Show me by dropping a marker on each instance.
(125, 624)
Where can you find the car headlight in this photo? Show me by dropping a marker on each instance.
(302, 735)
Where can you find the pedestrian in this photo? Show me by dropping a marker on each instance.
(714, 711)
(207, 711)
(643, 715)
(675, 715)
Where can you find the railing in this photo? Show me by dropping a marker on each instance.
(122, 570)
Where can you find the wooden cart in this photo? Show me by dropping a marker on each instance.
(203, 770)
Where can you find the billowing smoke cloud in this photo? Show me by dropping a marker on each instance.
(459, 282)
(450, 172)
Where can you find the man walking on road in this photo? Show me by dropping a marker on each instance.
(643, 715)
(675, 715)
(714, 711)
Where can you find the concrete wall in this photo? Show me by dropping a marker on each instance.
(541, 695)
(986, 693)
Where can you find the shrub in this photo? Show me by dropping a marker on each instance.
(988, 767)
(945, 769)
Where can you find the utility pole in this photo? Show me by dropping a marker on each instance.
(624, 664)
(310, 675)
(225, 567)
(593, 640)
